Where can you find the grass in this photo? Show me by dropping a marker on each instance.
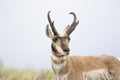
(24, 74)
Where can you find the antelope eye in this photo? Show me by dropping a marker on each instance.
(54, 39)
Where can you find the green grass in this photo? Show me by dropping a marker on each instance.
(24, 74)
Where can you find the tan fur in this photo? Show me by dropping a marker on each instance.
(77, 65)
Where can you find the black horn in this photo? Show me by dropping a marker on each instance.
(73, 25)
(52, 24)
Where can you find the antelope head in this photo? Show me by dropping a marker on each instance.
(60, 43)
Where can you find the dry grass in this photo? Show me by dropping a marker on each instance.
(24, 74)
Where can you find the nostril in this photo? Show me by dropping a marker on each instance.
(67, 50)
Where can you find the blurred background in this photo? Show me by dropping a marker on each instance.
(23, 42)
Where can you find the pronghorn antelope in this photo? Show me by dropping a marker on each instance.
(67, 67)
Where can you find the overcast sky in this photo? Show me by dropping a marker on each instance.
(23, 42)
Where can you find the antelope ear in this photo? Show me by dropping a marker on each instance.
(66, 29)
(48, 32)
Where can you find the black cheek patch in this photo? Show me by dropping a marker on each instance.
(53, 48)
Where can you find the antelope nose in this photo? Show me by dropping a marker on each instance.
(66, 50)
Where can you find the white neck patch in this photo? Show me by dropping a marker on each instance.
(58, 67)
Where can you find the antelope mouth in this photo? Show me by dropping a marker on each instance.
(65, 54)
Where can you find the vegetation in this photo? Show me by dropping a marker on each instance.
(24, 74)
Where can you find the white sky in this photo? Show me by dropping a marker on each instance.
(23, 42)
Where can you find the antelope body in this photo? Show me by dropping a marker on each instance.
(65, 67)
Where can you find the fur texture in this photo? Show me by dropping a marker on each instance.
(84, 67)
